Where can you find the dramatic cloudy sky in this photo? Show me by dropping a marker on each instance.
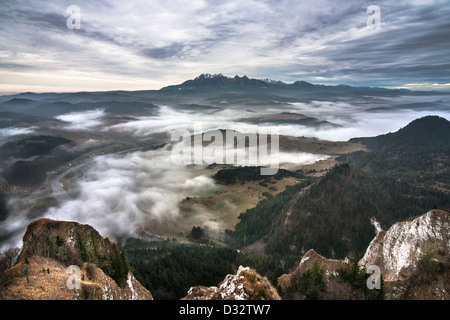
(149, 44)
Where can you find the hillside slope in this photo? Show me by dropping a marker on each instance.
(431, 131)
(405, 174)
(418, 153)
(334, 215)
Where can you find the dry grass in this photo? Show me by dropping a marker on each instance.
(258, 287)
(46, 279)
(318, 146)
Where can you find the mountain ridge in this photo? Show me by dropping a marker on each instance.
(207, 80)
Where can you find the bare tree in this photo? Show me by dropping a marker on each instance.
(8, 258)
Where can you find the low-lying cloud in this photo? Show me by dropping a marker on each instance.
(86, 120)
(367, 119)
(356, 119)
(16, 131)
(121, 194)
(127, 193)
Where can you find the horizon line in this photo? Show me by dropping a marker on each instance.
(405, 87)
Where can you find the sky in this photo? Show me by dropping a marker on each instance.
(140, 45)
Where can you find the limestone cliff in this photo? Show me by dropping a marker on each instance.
(413, 257)
(246, 284)
(398, 250)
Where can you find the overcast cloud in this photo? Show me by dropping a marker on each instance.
(150, 44)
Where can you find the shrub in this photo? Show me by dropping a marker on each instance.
(310, 283)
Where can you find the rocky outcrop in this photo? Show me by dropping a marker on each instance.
(398, 250)
(62, 260)
(66, 241)
(46, 279)
(413, 257)
(246, 284)
(311, 258)
(317, 277)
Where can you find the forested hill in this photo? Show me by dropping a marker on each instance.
(405, 174)
(418, 153)
(333, 216)
(429, 131)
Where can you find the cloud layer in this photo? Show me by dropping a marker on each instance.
(149, 44)
(357, 119)
(141, 191)
(122, 194)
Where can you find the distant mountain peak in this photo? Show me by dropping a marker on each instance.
(300, 83)
(210, 76)
(207, 80)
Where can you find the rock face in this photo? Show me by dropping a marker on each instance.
(50, 247)
(246, 284)
(398, 250)
(330, 267)
(413, 257)
(323, 278)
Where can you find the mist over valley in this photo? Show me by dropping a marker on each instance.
(111, 167)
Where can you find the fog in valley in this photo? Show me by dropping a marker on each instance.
(138, 192)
